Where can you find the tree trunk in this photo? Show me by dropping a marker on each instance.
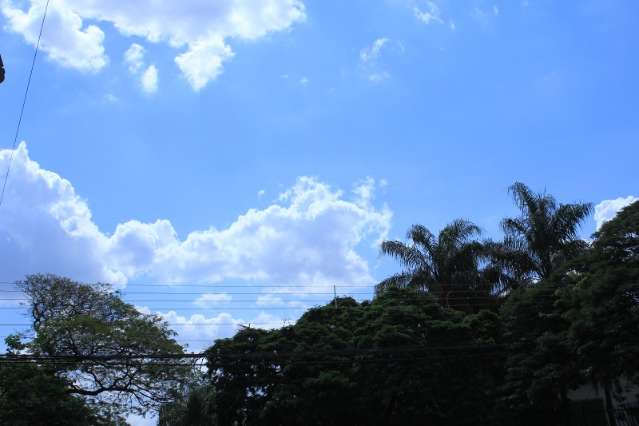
(609, 407)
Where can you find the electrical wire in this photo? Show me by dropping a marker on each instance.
(24, 102)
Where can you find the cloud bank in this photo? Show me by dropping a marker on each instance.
(199, 29)
(311, 235)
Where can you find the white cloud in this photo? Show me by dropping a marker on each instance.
(66, 39)
(149, 79)
(370, 56)
(608, 209)
(428, 13)
(311, 235)
(202, 29)
(372, 52)
(200, 332)
(134, 57)
(304, 81)
(269, 300)
(203, 61)
(206, 300)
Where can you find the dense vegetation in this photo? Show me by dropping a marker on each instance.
(470, 332)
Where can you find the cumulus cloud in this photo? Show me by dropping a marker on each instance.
(608, 209)
(67, 40)
(206, 300)
(134, 58)
(311, 235)
(149, 79)
(199, 331)
(200, 29)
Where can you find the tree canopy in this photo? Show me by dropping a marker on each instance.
(100, 345)
(399, 359)
(446, 264)
(540, 240)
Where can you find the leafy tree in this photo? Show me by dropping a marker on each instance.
(540, 367)
(193, 407)
(577, 326)
(401, 359)
(601, 290)
(538, 241)
(31, 395)
(444, 264)
(93, 336)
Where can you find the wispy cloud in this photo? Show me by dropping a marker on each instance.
(372, 52)
(428, 12)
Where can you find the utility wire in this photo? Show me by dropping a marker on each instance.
(24, 102)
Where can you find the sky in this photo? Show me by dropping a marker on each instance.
(269, 146)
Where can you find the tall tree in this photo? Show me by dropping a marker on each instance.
(101, 343)
(601, 290)
(32, 395)
(441, 264)
(540, 239)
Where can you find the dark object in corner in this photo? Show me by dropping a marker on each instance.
(1, 70)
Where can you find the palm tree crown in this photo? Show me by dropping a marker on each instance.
(443, 263)
(541, 238)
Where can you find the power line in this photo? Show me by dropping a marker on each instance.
(24, 102)
(232, 285)
(258, 354)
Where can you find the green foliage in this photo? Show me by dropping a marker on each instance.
(81, 322)
(447, 264)
(540, 240)
(193, 407)
(602, 290)
(34, 396)
(400, 359)
(578, 326)
(540, 366)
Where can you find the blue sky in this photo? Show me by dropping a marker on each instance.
(253, 143)
(368, 115)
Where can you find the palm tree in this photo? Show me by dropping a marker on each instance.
(539, 240)
(442, 264)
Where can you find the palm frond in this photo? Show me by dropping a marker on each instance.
(458, 232)
(401, 280)
(524, 197)
(567, 219)
(420, 235)
(409, 256)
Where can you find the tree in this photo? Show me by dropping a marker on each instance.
(401, 359)
(193, 407)
(444, 264)
(101, 346)
(538, 241)
(601, 290)
(540, 367)
(31, 395)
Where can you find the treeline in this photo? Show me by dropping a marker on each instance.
(470, 332)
